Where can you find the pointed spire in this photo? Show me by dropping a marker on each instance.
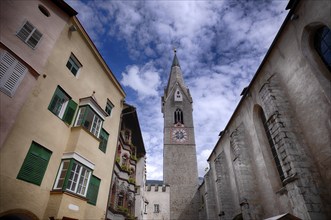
(175, 61)
(175, 78)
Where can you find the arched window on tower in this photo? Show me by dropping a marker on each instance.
(178, 116)
(322, 43)
(271, 144)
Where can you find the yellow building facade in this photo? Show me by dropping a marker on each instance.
(57, 160)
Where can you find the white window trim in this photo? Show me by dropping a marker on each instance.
(78, 178)
(74, 60)
(97, 128)
(63, 109)
(79, 158)
(30, 35)
(100, 112)
(58, 175)
(82, 165)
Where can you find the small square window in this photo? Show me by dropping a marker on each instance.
(29, 35)
(73, 65)
(109, 107)
(156, 208)
(103, 140)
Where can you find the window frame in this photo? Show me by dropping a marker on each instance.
(94, 126)
(178, 116)
(320, 38)
(75, 64)
(109, 105)
(104, 136)
(272, 146)
(67, 109)
(76, 190)
(30, 34)
(156, 208)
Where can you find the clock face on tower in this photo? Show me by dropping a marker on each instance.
(179, 135)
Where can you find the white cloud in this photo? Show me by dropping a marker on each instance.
(220, 45)
(145, 81)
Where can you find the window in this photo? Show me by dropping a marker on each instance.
(29, 35)
(178, 96)
(103, 140)
(35, 164)
(178, 115)
(12, 73)
(156, 208)
(272, 145)
(44, 10)
(73, 177)
(120, 201)
(62, 105)
(89, 120)
(109, 107)
(322, 43)
(93, 189)
(73, 64)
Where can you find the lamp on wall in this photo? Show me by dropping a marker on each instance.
(294, 17)
(72, 28)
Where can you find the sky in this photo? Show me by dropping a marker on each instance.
(220, 45)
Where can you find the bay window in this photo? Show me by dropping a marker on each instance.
(90, 116)
(73, 177)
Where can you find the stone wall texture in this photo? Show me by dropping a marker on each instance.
(274, 154)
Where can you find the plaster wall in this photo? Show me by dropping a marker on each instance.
(12, 17)
(162, 199)
(36, 123)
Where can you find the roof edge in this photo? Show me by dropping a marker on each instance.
(97, 53)
(291, 5)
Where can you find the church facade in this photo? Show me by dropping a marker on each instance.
(273, 157)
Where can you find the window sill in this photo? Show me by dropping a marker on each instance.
(57, 192)
(290, 179)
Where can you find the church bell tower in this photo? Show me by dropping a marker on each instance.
(179, 152)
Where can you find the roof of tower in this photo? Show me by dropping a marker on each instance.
(175, 78)
(175, 61)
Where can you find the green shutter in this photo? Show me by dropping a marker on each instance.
(103, 140)
(70, 112)
(93, 189)
(58, 95)
(35, 164)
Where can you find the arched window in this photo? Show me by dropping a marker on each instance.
(113, 195)
(322, 43)
(178, 116)
(272, 144)
(120, 201)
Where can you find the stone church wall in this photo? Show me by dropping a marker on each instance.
(274, 155)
